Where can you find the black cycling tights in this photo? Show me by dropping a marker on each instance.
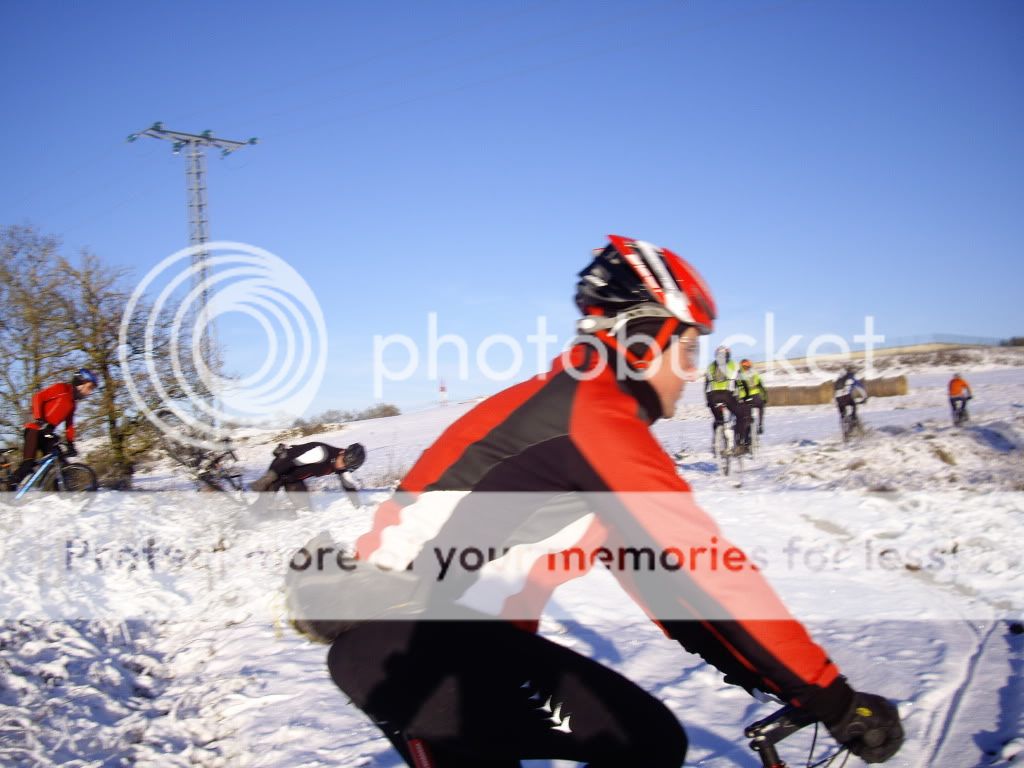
(482, 693)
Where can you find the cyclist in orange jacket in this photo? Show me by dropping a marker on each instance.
(959, 394)
(51, 407)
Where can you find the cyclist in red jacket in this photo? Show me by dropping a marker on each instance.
(567, 460)
(51, 407)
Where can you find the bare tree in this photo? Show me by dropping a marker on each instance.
(36, 347)
(96, 297)
(60, 314)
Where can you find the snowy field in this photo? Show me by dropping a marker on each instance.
(901, 551)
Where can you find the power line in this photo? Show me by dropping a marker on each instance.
(109, 209)
(199, 222)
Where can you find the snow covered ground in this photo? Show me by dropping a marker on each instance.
(902, 551)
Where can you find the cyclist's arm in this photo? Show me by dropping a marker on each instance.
(38, 401)
(732, 618)
(351, 485)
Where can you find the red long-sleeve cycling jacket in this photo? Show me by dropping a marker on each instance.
(55, 404)
(558, 434)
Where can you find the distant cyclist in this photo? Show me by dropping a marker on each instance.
(721, 387)
(959, 394)
(849, 391)
(756, 392)
(294, 464)
(51, 407)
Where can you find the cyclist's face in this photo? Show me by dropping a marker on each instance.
(679, 366)
(687, 353)
(86, 388)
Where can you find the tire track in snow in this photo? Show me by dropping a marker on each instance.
(957, 693)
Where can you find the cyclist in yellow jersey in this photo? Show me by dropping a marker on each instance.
(757, 393)
(721, 385)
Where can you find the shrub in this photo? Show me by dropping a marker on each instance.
(109, 472)
(378, 412)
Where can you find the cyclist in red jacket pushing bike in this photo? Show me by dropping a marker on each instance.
(488, 691)
(51, 407)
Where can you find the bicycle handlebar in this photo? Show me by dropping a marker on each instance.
(766, 733)
(58, 450)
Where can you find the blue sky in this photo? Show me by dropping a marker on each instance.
(819, 160)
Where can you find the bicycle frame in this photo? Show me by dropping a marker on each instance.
(960, 414)
(763, 734)
(766, 733)
(850, 425)
(55, 462)
(212, 473)
(38, 474)
(728, 422)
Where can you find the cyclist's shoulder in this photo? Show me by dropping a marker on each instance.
(57, 389)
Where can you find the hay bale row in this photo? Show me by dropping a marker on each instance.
(807, 395)
(822, 394)
(890, 386)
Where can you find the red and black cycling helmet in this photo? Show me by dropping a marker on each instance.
(641, 279)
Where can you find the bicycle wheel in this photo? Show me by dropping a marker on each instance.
(7, 467)
(721, 445)
(77, 478)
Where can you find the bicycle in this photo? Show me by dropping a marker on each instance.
(765, 734)
(55, 473)
(753, 438)
(851, 426)
(724, 439)
(212, 473)
(8, 464)
(960, 416)
(215, 476)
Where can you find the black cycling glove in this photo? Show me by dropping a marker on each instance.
(870, 728)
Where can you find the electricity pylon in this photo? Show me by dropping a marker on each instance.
(199, 222)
